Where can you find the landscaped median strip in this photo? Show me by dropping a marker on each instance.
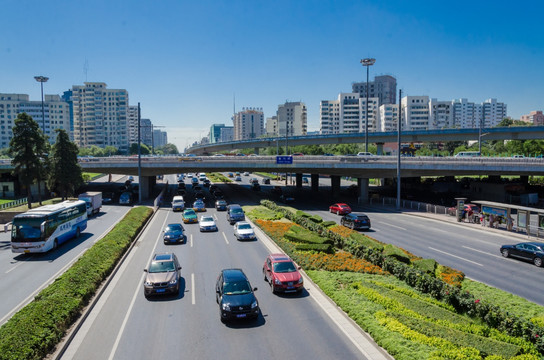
(37, 328)
(418, 313)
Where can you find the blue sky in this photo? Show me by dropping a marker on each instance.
(184, 61)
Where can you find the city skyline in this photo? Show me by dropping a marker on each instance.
(186, 63)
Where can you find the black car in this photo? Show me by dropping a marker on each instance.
(181, 185)
(174, 233)
(218, 194)
(265, 181)
(221, 205)
(530, 251)
(235, 296)
(256, 187)
(356, 221)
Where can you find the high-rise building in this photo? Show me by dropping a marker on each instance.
(415, 113)
(534, 118)
(348, 114)
(132, 118)
(383, 87)
(271, 127)
(100, 116)
(227, 134)
(292, 119)
(160, 138)
(215, 133)
(248, 124)
(146, 132)
(466, 115)
(441, 114)
(493, 113)
(388, 117)
(57, 115)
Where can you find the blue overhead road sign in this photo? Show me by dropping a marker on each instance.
(284, 160)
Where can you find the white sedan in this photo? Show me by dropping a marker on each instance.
(207, 223)
(244, 231)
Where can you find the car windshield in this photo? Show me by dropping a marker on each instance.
(207, 218)
(161, 266)
(189, 213)
(173, 228)
(221, 203)
(363, 217)
(244, 227)
(237, 211)
(284, 266)
(236, 288)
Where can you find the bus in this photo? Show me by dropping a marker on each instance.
(42, 229)
(467, 154)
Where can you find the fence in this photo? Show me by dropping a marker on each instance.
(413, 205)
(14, 203)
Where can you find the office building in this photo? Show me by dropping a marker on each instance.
(415, 113)
(348, 114)
(227, 134)
(493, 113)
(160, 138)
(292, 119)
(146, 132)
(100, 116)
(57, 115)
(388, 117)
(248, 124)
(271, 127)
(383, 87)
(441, 114)
(534, 118)
(215, 133)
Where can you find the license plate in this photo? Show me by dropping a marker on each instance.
(290, 287)
(241, 315)
(27, 251)
(160, 290)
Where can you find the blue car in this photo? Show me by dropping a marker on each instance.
(174, 234)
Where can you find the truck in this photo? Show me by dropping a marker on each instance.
(93, 201)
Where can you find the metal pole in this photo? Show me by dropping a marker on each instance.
(366, 115)
(398, 152)
(286, 138)
(152, 140)
(480, 138)
(139, 160)
(43, 111)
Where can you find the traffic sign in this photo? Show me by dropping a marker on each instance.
(284, 160)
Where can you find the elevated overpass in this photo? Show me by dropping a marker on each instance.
(379, 138)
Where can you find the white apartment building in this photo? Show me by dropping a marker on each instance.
(227, 134)
(292, 119)
(132, 117)
(493, 113)
(466, 115)
(248, 124)
(388, 117)
(271, 127)
(383, 87)
(415, 113)
(160, 138)
(348, 114)
(100, 116)
(57, 115)
(441, 114)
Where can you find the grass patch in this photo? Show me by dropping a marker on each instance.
(261, 212)
(38, 327)
(217, 177)
(265, 174)
(24, 207)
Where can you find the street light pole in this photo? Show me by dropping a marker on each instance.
(139, 160)
(368, 62)
(41, 80)
(480, 139)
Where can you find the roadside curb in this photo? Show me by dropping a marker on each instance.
(361, 339)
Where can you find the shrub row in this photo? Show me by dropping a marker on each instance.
(37, 328)
(463, 302)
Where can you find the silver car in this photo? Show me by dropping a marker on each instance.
(207, 223)
(244, 231)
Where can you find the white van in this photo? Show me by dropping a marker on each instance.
(177, 203)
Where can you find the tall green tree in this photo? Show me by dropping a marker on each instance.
(27, 151)
(169, 149)
(65, 174)
(144, 149)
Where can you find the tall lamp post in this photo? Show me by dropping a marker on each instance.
(41, 80)
(368, 62)
(480, 138)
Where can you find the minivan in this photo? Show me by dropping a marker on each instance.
(177, 203)
(235, 213)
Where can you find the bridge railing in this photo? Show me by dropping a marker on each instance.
(412, 205)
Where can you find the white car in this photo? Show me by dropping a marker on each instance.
(244, 231)
(246, 173)
(207, 223)
(365, 153)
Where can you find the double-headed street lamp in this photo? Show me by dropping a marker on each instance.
(368, 62)
(41, 80)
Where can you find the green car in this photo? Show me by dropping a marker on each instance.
(189, 216)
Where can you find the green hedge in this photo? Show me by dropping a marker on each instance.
(328, 223)
(426, 265)
(37, 328)
(326, 248)
(395, 252)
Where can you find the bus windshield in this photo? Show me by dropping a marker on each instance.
(27, 229)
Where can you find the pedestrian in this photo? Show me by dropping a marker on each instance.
(482, 219)
(509, 223)
(491, 220)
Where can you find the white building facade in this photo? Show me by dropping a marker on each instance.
(248, 124)
(384, 87)
(348, 114)
(292, 119)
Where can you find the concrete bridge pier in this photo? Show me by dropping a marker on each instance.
(335, 185)
(144, 182)
(314, 180)
(298, 180)
(362, 190)
(379, 150)
(256, 151)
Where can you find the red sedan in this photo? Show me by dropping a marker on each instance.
(340, 209)
(282, 274)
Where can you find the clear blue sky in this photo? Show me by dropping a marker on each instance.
(185, 60)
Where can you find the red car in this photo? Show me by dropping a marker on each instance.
(340, 209)
(282, 274)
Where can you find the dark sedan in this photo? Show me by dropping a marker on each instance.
(235, 296)
(529, 251)
(356, 221)
(174, 233)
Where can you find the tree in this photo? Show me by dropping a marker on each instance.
(65, 175)
(27, 151)
(169, 149)
(144, 150)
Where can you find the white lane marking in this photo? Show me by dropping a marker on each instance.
(138, 289)
(193, 288)
(395, 226)
(191, 240)
(215, 217)
(455, 256)
(483, 252)
(19, 263)
(225, 236)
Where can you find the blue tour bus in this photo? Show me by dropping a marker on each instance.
(42, 229)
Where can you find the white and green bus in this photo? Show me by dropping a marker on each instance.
(42, 229)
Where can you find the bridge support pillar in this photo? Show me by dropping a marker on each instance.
(494, 178)
(298, 180)
(314, 180)
(362, 190)
(335, 185)
(379, 150)
(145, 184)
(256, 151)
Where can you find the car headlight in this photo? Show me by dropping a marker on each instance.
(277, 282)
(148, 283)
(225, 307)
(300, 280)
(173, 281)
(254, 304)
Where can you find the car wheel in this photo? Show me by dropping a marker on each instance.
(537, 261)
(78, 232)
(272, 286)
(505, 253)
(352, 226)
(264, 274)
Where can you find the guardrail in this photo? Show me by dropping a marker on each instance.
(14, 203)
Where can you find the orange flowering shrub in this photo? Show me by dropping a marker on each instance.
(341, 230)
(341, 261)
(275, 229)
(450, 276)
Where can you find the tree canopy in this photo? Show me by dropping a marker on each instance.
(65, 174)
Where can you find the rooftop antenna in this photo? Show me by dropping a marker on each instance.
(86, 69)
